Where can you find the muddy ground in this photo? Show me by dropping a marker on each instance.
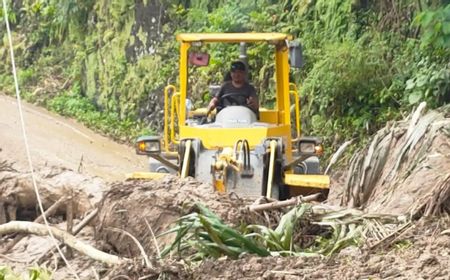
(140, 208)
(58, 141)
(422, 252)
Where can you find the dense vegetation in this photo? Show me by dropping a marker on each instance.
(367, 62)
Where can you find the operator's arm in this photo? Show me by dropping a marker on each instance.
(212, 104)
(252, 100)
(214, 101)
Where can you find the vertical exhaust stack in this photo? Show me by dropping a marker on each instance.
(243, 55)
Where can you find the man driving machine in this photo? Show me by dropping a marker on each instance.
(235, 92)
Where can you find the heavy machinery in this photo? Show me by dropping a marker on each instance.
(237, 152)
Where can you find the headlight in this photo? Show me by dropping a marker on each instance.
(310, 146)
(307, 147)
(148, 145)
(318, 149)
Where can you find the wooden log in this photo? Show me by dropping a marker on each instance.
(86, 220)
(68, 239)
(69, 222)
(280, 204)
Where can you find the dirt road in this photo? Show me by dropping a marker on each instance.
(59, 141)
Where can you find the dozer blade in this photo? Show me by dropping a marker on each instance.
(306, 180)
(146, 175)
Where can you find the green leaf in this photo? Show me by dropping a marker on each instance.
(446, 28)
(410, 84)
(427, 18)
(421, 81)
(438, 27)
(415, 97)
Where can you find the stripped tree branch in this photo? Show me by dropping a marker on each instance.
(64, 237)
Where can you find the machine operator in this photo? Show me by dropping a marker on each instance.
(237, 91)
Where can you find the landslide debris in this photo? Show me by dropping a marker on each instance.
(142, 207)
(422, 253)
(18, 198)
(405, 170)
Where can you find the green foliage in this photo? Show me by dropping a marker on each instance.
(403, 244)
(435, 26)
(6, 273)
(202, 234)
(281, 239)
(34, 273)
(38, 273)
(12, 16)
(210, 237)
(81, 108)
(430, 82)
(344, 84)
(365, 62)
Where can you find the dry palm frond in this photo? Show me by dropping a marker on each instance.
(337, 155)
(391, 172)
(411, 140)
(415, 118)
(434, 203)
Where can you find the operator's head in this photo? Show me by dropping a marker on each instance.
(238, 71)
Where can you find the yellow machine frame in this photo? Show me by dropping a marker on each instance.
(213, 138)
(218, 138)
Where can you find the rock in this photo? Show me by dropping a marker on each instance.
(351, 251)
(428, 260)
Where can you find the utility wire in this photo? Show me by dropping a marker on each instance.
(27, 149)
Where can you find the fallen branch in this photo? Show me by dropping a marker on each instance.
(6, 166)
(13, 259)
(280, 204)
(86, 220)
(69, 240)
(76, 230)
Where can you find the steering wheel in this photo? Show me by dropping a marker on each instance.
(233, 99)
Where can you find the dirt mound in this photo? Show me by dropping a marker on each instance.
(405, 169)
(138, 206)
(422, 253)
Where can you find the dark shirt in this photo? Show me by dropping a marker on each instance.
(238, 96)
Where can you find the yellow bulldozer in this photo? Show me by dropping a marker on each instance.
(238, 151)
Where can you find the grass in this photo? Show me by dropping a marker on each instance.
(83, 110)
(33, 273)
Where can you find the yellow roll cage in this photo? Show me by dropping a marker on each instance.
(279, 116)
